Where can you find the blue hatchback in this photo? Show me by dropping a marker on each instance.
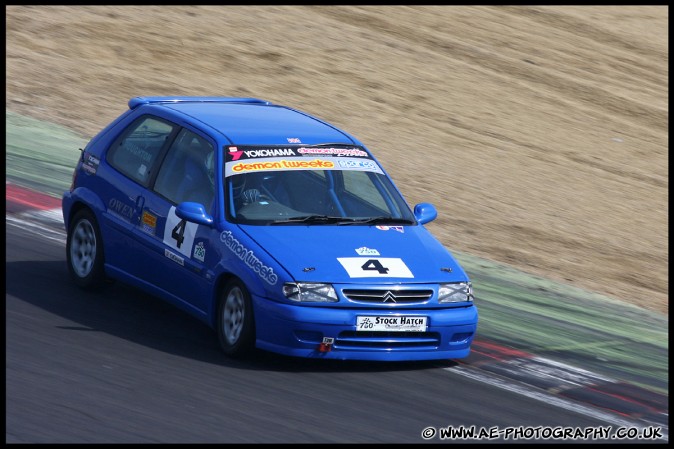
(275, 228)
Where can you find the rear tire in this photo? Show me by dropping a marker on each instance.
(235, 323)
(84, 251)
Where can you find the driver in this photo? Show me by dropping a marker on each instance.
(244, 190)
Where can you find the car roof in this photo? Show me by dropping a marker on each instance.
(250, 121)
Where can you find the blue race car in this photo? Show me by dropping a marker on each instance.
(275, 228)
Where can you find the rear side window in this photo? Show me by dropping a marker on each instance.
(136, 152)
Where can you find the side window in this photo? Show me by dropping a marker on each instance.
(188, 171)
(135, 152)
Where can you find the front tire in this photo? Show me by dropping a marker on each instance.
(235, 323)
(84, 251)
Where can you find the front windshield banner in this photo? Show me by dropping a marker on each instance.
(249, 159)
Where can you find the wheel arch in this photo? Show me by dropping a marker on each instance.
(83, 198)
(77, 206)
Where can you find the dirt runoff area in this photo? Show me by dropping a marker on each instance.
(540, 133)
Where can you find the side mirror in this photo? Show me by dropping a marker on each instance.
(194, 212)
(425, 213)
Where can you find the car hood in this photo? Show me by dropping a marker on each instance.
(358, 254)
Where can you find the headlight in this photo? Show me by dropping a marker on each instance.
(309, 292)
(457, 292)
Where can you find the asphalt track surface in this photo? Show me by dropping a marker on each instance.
(123, 367)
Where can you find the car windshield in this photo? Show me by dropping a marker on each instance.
(310, 185)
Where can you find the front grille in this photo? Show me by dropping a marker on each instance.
(388, 296)
(387, 340)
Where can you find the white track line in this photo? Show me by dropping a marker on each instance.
(29, 224)
(549, 398)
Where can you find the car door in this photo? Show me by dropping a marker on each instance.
(181, 251)
(133, 158)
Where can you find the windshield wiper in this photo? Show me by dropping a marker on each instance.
(329, 219)
(315, 219)
(383, 220)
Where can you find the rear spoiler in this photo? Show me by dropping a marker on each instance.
(138, 101)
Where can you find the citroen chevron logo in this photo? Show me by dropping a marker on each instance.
(389, 296)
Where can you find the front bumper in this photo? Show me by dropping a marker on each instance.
(299, 331)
